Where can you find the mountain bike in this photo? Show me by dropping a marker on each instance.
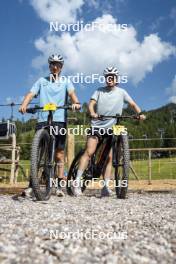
(118, 142)
(43, 166)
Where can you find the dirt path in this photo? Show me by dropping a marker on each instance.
(142, 185)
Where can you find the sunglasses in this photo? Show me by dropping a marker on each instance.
(57, 64)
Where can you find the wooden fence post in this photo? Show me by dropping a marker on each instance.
(17, 163)
(12, 174)
(149, 166)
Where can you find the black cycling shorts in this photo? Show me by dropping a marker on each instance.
(99, 133)
(60, 138)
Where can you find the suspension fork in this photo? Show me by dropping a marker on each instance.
(115, 153)
(52, 142)
(52, 150)
(92, 167)
(50, 164)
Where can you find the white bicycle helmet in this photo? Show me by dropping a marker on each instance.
(56, 58)
(110, 71)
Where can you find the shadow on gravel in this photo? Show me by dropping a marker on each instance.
(20, 197)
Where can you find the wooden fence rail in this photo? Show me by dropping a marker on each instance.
(70, 154)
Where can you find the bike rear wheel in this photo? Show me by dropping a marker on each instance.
(41, 171)
(87, 175)
(122, 169)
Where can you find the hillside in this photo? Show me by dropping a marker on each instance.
(160, 123)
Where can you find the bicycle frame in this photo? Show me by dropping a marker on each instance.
(50, 108)
(111, 142)
(52, 143)
(99, 167)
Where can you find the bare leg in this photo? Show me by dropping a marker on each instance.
(90, 149)
(108, 170)
(60, 161)
(60, 170)
(107, 175)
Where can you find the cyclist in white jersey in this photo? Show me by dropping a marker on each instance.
(108, 100)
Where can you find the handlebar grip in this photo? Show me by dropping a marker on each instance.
(69, 107)
(31, 110)
(137, 117)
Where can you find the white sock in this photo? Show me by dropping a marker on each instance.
(79, 175)
(106, 181)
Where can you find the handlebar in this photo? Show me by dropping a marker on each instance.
(34, 110)
(101, 117)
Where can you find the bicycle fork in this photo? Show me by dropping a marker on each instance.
(115, 152)
(52, 156)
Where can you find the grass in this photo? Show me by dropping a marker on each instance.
(163, 168)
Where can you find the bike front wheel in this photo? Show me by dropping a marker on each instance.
(122, 168)
(86, 177)
(41, 171)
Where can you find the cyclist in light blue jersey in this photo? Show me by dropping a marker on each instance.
(54, 89)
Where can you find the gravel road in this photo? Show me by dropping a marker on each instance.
(140, 229)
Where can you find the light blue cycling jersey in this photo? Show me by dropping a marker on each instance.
(52, 92)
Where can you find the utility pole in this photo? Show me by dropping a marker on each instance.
(12, 116)
(161, 131)
(145, 140)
